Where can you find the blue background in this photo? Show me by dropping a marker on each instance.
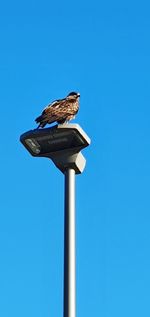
(102, 50)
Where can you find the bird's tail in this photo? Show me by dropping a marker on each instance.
(41, 121)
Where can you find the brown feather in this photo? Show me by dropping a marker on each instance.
(60, 111)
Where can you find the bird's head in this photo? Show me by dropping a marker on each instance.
(73, 95)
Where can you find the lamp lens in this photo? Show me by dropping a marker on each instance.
(33, 145)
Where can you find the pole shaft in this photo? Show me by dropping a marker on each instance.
(69, 246)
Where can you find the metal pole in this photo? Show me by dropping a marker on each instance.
(69, 246)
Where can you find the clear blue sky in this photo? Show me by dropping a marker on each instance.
(102, 50)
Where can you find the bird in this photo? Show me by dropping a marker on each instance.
(61, 110)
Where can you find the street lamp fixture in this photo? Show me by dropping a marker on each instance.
(62, 144)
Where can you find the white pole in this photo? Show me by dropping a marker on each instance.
(69, 246)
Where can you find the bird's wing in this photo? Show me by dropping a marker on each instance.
(58, 110)
(54, 104)
(54, 111)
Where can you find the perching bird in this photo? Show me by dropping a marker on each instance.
(61, 111)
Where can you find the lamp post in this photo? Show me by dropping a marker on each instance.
(62, 144)
(69, 246)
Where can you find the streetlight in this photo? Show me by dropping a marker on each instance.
(62, 144)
